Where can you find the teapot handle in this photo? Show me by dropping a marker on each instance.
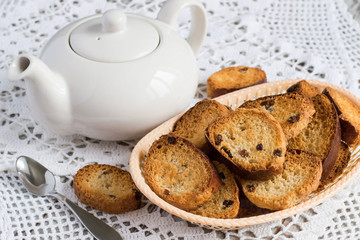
(169, 14)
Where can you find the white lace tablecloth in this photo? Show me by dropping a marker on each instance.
(315, 39)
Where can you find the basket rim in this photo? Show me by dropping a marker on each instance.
(236, 223)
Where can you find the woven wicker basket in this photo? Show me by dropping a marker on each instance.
(235, 99)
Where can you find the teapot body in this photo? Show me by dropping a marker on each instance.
(118, 101)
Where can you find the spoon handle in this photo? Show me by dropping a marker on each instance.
(96, 227)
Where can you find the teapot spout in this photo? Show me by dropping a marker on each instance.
(47, 92)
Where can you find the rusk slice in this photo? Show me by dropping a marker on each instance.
(234, 78)
(304, 88)
(340, 164)
(225, 203)
(322, 135)
(180, 173)
(106, 188)
(349, 115)
(301, 176)
(293, 111)
(247, 208)
(251, 140)
(192, 124)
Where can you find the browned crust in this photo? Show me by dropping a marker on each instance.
(260, 174)
(189, 201)
(348, 131)
(123, 202)
(345, 126)
(327, 93)
(247, 208)
(329, 162)
(305, 88)
(340, 164)
(213, 93)
(237, 170)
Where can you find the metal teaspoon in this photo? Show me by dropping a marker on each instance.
(41, 182)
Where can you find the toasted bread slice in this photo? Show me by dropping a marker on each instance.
(252, 140)
(106, 188)
(293, 111)
(234, 78)
(247, 208)
(322, 135)
(180, 173)
(192, 124)
(225, 203)
(349, 115)
(301, 176)
(340, 164)
(304, 88)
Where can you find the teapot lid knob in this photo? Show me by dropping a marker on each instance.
(114, 21)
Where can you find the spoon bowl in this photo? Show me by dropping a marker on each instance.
(36, 178)
(41, 182)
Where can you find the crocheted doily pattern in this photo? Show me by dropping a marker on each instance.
(314, 39)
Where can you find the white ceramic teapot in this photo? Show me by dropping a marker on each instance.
(114, 76)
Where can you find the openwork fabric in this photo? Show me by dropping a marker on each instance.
(314, 39)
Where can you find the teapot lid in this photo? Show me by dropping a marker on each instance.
(114, 37)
